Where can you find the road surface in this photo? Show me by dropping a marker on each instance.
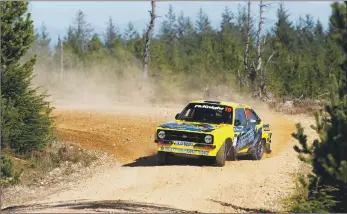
(135, 184)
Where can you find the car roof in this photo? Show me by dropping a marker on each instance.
(217, 102)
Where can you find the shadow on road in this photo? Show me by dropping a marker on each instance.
(242, 209)
(99, 206)
(151, 160)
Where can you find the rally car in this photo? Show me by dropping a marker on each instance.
(215, 130)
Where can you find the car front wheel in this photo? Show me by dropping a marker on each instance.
(221, 156)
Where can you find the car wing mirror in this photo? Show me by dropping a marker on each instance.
(266, 127)
(237, 123)
(177, 116)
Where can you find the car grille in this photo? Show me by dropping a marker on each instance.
(184, 136)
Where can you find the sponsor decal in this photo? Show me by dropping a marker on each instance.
(235, 141)
(251, 137)
(246, 138)
(209, 107)
(183, 143)
(186, 151)
(257, 136)
(189, 127)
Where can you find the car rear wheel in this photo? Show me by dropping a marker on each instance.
(161, 158)
(221, 156)
(268, 148)
(258, 150)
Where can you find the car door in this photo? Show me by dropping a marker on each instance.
(254, 121)
(241, 129)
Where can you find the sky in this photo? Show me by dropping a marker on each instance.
(58, 15)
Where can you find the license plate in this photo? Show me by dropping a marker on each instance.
(183, 143)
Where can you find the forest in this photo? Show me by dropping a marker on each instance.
(296, 59)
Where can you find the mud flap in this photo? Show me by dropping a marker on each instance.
(268, 148)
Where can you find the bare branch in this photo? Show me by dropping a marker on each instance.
(249, 21)
(259, 50)
(268, 60)
(148, 37)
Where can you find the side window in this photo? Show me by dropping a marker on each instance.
(188, 113)
(240, 116)
(251, 115)
(255, 115)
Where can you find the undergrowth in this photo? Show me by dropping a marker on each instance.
(30, 168)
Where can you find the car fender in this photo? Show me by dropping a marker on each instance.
(220, 135)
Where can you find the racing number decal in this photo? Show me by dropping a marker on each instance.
(228, 109)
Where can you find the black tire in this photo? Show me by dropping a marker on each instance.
(221, 156)
(161, 158)
(230, 150)
(258, 150)
(268, 148)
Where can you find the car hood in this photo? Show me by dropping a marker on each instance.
(188, 126)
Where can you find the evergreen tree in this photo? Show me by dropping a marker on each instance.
(112, 37)
(338, 22)
(227, 19)
(26, 122)
(328, 155)
(79, 34)
(168, 37)
(203, 23)
(41, 47)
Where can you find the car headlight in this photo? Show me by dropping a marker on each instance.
(161, 134)
(208, 139)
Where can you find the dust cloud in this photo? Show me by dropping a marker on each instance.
(110, 85)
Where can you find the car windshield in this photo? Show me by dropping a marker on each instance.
(207, 113)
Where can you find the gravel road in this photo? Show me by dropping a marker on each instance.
(133, 183)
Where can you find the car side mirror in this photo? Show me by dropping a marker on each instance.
(177, 116)
(237, 122)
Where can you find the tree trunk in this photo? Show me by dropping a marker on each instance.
(243, 79)
(257, 78)
(148, 36)
(61, 60)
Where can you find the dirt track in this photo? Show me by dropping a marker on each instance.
(135, 184)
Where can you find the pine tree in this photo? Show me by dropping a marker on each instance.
(328, 155)
(79, 34)
(227, 19)
(112, 36)
(338, 22)
(203, 23)
(169, 37)
(26, 122)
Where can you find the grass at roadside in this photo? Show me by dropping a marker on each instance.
(299, 195)
(32, 168)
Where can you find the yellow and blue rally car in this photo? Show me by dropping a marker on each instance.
(214, 129)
